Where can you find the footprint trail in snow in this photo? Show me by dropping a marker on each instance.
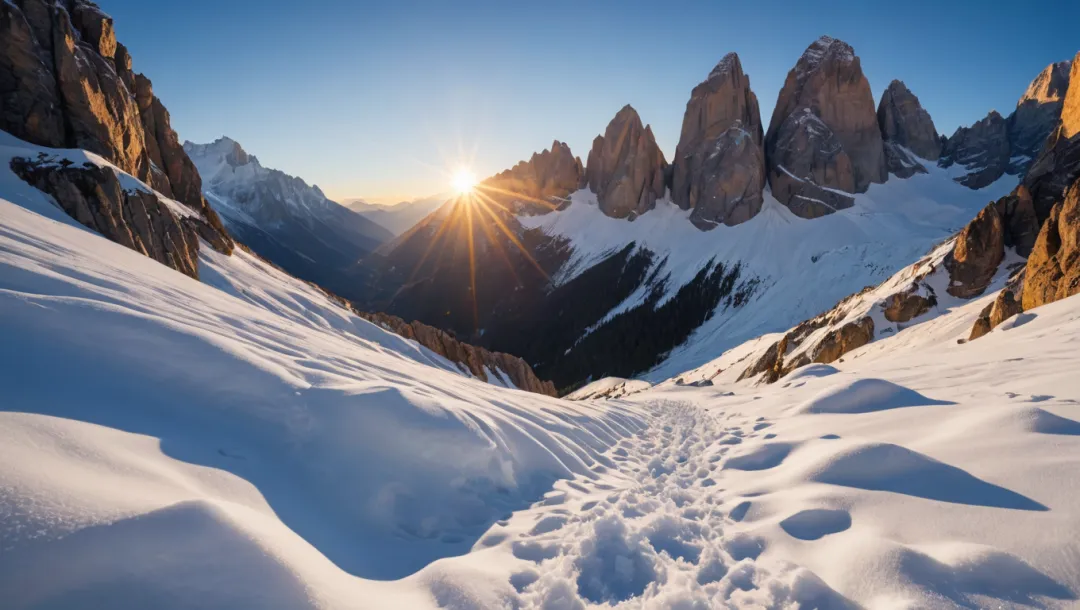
(657, 529)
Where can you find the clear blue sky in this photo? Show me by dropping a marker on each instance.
(374, 99)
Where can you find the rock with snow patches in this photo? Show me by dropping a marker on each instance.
(537, 185)
(824, 141)
(1037, 114)
(719, 167)
(983, 150)
(907, 130)
(67, 83)
(626, 169)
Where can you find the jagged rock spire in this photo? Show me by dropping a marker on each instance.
(719, 166)
(824, 140)
(626, 168)
(906, 126)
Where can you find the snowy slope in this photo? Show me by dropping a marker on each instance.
(399, 217)
(244, 442)
(803, 267)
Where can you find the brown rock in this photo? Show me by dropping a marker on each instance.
(982, 324)
(626, 168)
(29, 101)
(138, 220)
(903, 121)
(1053, 269)
(538, 185)
(979, 249)
(908, 131)
(719, 168)
(1005, 306)
(907, 305)
(824, 132)
(1058, 164)
(1070, 111)
(95, 27)
(1037, 114)
(848, 337)
(166, 151)
(476, 360)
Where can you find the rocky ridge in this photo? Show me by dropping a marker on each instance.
(537, 185)
(481, 363)
(907, 130)
(65, 82)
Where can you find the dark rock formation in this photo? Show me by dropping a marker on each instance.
(626, 168)
(1053, 269)
(1037, 114)
(906, 127)
(719, 167)
(477, 360)
(136, 219)
(824, 134)
(538, 185)
(975, 257)
(1019, 220)
(65, 82)
(983, 150)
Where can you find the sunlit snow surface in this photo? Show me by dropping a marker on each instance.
(804, 266)
(244, 443)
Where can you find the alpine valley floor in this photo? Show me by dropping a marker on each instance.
(244, 442)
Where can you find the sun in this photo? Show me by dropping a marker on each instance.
(464, 181)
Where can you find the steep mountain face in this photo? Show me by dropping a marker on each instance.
(536, 185)
(65, 82)
(626, 169)
(824, 143)
(401, 216)
(719, 167)
(996, 146)
(282, 218)
(1037, 114)
(907, 130)
(983, 149)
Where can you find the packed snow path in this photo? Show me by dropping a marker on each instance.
(660, 529)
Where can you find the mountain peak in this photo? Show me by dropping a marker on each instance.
(1050, 85)
(728, 64)
(825, 48)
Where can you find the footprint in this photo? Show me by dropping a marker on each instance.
(535, 551)
(830, 437)
(816, 523)
(547, 525)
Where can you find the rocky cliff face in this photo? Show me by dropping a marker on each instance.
(1053, 269)
(906, 127)
(65, 82)
(824, 140)
(537, 185)
(996, 146)
(480, 362)
(1037, 114)
(719, 167)
(626, 169)
(983, 149)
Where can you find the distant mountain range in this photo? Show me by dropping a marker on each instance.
(399, 217)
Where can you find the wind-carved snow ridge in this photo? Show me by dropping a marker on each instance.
(800, 267)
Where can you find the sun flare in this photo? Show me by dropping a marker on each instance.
(464, 181)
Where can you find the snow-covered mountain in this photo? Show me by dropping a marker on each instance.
(244, 441)
(282, 218)
(399, 217)
(630, 266)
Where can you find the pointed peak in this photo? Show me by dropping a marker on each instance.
(728, 64)
(1050, 85)
(827, 47)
